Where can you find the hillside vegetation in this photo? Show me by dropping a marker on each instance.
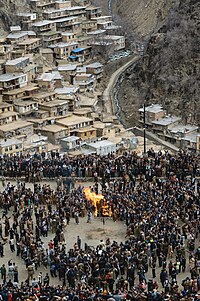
(169, 71)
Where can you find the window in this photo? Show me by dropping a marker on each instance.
(6, 149)
(10, 147)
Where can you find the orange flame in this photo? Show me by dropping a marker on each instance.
(96, 201)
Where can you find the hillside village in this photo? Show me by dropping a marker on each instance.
(51, 69)
(49, 81)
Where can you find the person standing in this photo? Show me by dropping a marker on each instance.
(79, 242)
(1, 249)
(12, 245)
(16, 278)
(30, 271)
(3, 273)
(154, 269)
(76, 215)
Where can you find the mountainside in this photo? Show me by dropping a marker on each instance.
(169, 71)
(8, 11)
(142, 16)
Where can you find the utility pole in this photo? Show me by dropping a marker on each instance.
(144, 128)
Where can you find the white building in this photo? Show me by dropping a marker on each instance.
(103, 147)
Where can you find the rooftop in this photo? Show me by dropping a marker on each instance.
(10, 76)
(94, 65)
(5, 105)
(53, 128)
(154, 108)
(8, 114)
(102, 143)
(47, 77)
(64, 19)
(63, 9)
(8, 142)
(24, 103)
(166, 120)
(70, 139)
(68, 67)
(73, 120)
(96, 32)
(42, 23)
(55, 103)
(181, 128)
(67, 90)
(192, 137)
(78, 50)
(20, 34)
(62, 45)
(85, 129)
(17, 61)
(15, 125)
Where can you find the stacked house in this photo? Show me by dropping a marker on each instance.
(170, 128)
(49, 76)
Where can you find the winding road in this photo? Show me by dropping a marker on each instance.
(108, 94)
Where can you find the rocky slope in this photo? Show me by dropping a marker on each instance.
(8, 11)
(169, 71)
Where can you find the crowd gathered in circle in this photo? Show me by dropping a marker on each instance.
(155, 196)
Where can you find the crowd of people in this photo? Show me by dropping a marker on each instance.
(54, 165)
(156, 197)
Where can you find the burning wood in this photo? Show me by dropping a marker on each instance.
(98, 202)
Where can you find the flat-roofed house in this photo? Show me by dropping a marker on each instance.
(8, 117)
(73, 122)
(21, 64)
(103, 147)
(46, 81)
(102, 19)
(19, 36)
(42, 4)
(43, 96)
(6, 107)
(36, 144)
(69, 37)
(57, 107)
(58, 78)
(54, 132)
(15, 128)
(68, 24)
(110, 43)
(164, 124)
(63, 4)
(71, 94)
(13, 80)
(20, 93)
(6, 51)
(70, 143)
(85, 81)
(29, 45)
(85, 133)
(11, 146)
(51, 38)
(63, 50)
(88, 26)
(96, 69)
(152, 112)
(68, 72)
(43, 26)
(25, 107)
(26, 19)
(93, 12)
